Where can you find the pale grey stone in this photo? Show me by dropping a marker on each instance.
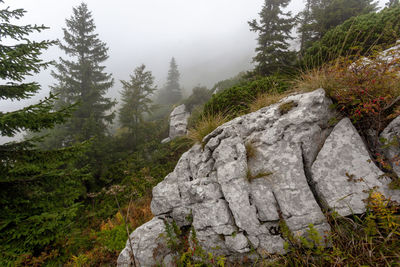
(165, 198)
(146, 240)
(391, 136)
(264, 200)
(182, 216)
(344, 173)
(165, 140)
(237, 243)
(270, 244)
(210, 214)
(178, 122)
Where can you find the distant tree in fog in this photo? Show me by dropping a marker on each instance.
(172, 92)
(136, 101)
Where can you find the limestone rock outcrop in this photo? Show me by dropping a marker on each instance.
(178, 121)
(283, 162)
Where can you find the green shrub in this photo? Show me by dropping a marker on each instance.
(357, 36)
(237, 99)
(199, 96)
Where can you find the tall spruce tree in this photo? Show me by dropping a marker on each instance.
(136, 100)
(38, 192)
(81, 79)
(273, 30)
(172, 92)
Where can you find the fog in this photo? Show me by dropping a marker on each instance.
(210, 39)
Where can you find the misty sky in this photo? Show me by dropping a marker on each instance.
(210, 39)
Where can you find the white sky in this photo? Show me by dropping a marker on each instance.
(210, 39)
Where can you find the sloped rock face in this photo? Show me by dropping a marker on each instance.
(391, 137)
(343, 172)
(259, 169)
(178, 123)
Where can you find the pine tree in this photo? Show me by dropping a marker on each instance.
(136, 100)
(172, 92)
(273, 30)
(83, 80)
(38, 192)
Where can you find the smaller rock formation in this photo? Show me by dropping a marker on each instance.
(178, 121)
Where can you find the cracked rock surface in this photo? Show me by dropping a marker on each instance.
(237, 198)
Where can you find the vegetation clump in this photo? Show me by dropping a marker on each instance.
(237, 99)
(205, 126)
(286, 107)
(371, 239)
(365, 90)
(358, 36)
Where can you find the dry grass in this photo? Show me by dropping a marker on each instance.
(250, 150)
(139, 212)
(287, 106)
(206, 125)
(251, 177)
(314, 79)
(266, 99)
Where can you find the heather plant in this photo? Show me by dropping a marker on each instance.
(365, 90)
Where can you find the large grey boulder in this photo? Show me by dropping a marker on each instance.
(259, 169)
(344, 173)
(390, 138)
(178, 121)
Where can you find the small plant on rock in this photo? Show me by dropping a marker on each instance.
(206, 125)
(284, 108)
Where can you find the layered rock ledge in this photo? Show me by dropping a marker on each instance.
(275, 164)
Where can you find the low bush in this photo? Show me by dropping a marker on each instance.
(199, 96)
(359, 35)
(236, 100)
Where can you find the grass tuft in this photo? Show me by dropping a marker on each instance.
(205, 126)
(284, 108)
(265, 100)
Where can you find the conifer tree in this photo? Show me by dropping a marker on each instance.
(273, 30)
(305, 27)
(38, 192)
(136, 100)
(82, 79)
(172, 92)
